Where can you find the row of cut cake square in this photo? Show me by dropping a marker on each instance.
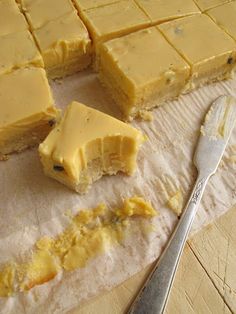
(140, 78)
(64, 41)
(108, 21)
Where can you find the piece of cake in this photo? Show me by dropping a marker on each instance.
(18, 50)
(27, 111)
(206, 47)
(11, 19)
(225, 17)
(40, 12)
(114, 20)
(208, 4)
(87, 144)
(65, 45)
(82, 5)
(164, 10)
(141, 71)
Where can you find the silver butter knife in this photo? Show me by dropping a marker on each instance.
(215, 134)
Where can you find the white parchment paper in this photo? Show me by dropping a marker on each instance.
(32, 205)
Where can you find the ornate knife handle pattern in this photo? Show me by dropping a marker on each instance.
(198, 191)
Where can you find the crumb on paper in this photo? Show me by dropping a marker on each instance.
(146, 115)
(89, 233)
(176, 202)
(4, 157)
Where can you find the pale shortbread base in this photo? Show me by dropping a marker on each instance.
(30, 137)
(94, 171)
(70, 67)
(223, 73)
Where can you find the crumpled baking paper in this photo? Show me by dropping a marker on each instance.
(33, 205)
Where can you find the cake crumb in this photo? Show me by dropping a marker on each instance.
(146, 115)
(4, 157)
(176, 202)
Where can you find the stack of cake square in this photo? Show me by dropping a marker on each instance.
(26, 103)
(61, 36)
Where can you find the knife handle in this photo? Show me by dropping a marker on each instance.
(153, 296)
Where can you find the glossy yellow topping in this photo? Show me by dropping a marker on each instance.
(21, 109)
(164, 10)
(89, 233)
(18, 50)
(225, 17)
(11, 19)
(21, 104)
(188, 34)
(40, 12)
(90, 4)
(63, 39)
(111, 142)
(135, 74)
(208, 4)
(114, 20)
(205, 46)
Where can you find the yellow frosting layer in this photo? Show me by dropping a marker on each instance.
(208, 4)
(225, 17)
(209, 61)
(89, 233)
(163, 10)
(90, 4)
(102, 138)
(18, 50)
(40, 12)
(114, 20)
(62, 40)
(136, 75)
(20, 110)
(11, 19)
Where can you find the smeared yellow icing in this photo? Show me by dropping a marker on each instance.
(6, 281)
(89, 233)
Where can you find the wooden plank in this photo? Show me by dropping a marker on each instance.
(215, 248)
(193, 291)
(116, 301)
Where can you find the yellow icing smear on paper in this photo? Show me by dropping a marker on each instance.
(6, 281)
(89, 233)
(176, 202)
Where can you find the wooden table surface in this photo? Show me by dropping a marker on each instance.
(205, 281)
